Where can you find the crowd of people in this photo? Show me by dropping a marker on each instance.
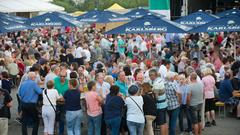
(117, 84)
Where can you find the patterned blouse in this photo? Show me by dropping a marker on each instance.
(171, 93)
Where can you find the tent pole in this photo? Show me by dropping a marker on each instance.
(235, 49)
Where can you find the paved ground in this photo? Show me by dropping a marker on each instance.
(225, 126)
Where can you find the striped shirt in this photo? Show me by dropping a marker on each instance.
(162, 102)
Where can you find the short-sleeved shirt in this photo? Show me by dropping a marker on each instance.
(209, 84)
(72, 100)
(196, 90)
(162, 102)
(5, 98)
(171, 93)
(184, 90)
(105, 89)
(134, 114)
(52, 95)
(122, 87)
(61, 88)
(93, 106)
(121, 49)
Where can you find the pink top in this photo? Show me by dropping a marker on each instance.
(209, 83)
(93, 106)
(158, 40)
(217, 64)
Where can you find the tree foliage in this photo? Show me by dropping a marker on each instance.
(99, 4)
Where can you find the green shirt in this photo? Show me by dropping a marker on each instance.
(121, 48)
(61, 88)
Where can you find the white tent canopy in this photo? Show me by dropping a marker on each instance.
(9, 6)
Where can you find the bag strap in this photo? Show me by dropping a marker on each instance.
(45, 92)
(137, 105)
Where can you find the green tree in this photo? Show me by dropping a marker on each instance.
(100, 4)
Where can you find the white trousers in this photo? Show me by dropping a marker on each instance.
(48, 115)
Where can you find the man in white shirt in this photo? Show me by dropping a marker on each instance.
(143, 46)
(45, 45)
(163, 71)
(86, 53)
(103, 88)
(78, 55)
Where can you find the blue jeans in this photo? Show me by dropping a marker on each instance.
(184, 110)
(135, 128)
(73, 119)
(94, 125)
(173, 115)
(114, 125)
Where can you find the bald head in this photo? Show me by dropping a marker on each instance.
(140, 77)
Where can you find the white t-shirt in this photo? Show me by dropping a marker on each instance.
(78, 52)
(222, 71)
(134, 114)
(143, 46)
(8, 54)
(163, 71)
(52, 95)
(87, 54)
(45, 46)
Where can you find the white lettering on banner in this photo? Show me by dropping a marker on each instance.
(46, 23)
(15, 27)
(88, 20)
(136, 16)
(192, 23)
(146, 29)
(118, 19)
(222, 28)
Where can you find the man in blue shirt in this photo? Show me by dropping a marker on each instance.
(28, 93)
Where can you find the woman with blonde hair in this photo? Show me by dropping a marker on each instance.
(208, 87)
(109, 79)
(149, 107)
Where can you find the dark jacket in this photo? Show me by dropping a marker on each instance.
(149, 106)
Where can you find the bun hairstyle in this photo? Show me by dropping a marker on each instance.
(133, 89)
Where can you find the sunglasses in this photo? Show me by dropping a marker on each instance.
(62, 76)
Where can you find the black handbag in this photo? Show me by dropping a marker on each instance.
(57, 111)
